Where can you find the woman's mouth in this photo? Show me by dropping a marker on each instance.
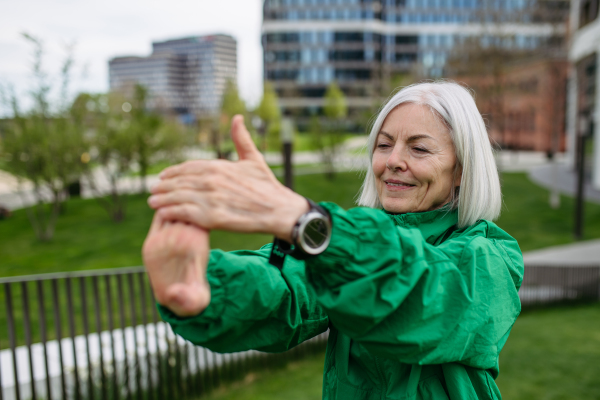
(394, 184)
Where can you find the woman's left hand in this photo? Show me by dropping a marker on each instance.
(241, 196)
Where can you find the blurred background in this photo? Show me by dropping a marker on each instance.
(97, 98)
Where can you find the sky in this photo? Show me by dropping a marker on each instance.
(104, 29)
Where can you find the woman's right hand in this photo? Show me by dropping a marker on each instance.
(175, 255)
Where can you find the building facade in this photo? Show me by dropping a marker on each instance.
(364, 44)
(583, 111)
(184, 76)
(525, 110)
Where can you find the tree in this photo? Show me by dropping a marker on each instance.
(335, 107)
(113, 150)
(328, 141)
(269, 112)
(44, 145)
(155, 139)
(231, 105)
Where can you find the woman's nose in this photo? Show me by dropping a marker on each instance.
(396, 160)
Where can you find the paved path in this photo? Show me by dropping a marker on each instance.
(581, 253)
(564, 178)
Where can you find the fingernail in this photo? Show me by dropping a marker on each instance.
(152, 200)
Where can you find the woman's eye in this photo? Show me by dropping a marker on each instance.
(420, 149)
(382, 145)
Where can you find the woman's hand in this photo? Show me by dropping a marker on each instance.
(242, 196)
(175, 255)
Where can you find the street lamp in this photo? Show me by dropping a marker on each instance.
(287, 139)
(586, 127)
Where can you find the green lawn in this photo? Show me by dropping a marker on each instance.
(301, 380)
(553, 354)
(527, 216)
(87, 239)
(550, 355)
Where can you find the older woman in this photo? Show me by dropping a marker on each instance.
(418, 287)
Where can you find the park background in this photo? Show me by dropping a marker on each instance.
(77, 158)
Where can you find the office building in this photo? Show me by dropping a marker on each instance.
(184, 76)
(583, 105)
(364, 44)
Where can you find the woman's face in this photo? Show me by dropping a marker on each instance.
(414, 161)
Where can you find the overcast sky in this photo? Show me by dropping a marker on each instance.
(108, 28)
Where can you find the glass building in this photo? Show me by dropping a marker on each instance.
(363, 44)
(185, 76)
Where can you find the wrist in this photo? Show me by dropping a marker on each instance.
(286, 218)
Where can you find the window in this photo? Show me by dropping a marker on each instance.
(407, 40)
(588, 12)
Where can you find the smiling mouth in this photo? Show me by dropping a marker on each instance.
(398, 184)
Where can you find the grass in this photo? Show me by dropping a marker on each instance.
(551, 354)
(87, 239)
(301, 380)
(527, 216)
(304, 141)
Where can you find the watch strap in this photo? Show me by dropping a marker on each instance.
(278, 252)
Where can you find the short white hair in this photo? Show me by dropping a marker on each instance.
(479, 196)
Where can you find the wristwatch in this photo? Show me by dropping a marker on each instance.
(312, 233)
(310, 236)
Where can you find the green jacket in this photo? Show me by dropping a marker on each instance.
(417, 309)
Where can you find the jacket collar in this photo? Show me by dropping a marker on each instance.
(432, 224)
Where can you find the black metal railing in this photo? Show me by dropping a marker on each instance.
(558, 284)
(98, 335)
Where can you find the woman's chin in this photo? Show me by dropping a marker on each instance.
(397, 206)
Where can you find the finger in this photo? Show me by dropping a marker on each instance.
(188, 167)
(193, 182)
(243, 141)
(179, 196)
(185, 213)
(157, 222)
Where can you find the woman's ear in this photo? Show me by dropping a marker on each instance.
(458, 175)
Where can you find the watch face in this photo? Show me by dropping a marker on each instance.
(315, 233)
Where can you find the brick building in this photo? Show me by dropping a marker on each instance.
(524, 108)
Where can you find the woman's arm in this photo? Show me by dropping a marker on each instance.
(402, 298)
(236, 302)
(253, 305)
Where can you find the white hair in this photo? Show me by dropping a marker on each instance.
(479, 196)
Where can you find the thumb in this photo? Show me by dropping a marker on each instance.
(243, 141)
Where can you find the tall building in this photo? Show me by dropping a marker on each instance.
(363, 44)
(185, 76)
(583, 105)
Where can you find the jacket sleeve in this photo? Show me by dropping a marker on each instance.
(389, 290)
(253, 305)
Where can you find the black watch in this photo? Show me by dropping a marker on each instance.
(310, 236)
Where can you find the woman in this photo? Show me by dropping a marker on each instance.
(418, 287)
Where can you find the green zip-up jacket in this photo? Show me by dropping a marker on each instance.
(417, 309)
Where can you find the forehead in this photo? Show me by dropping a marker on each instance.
(408, 120)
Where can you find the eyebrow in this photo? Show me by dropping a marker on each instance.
(410, 139)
